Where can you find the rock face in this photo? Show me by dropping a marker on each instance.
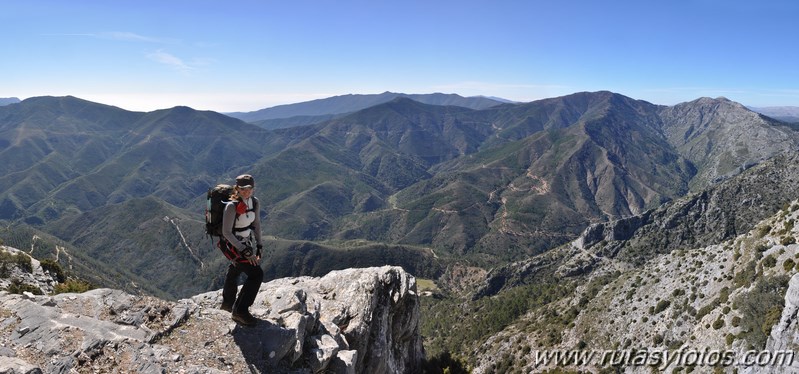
(738, 297)
(720, 213)
(349, 321)
(713, 271)
(785, 334)
(15, 270)
(722, 138)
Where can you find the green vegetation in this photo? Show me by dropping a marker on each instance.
(724, 295)
(703, 311)
(24, 262)
(18, 287)
(661, 306)
(54, 269)
(72, 286)
(44, 247)
(746, 276)
(769, 261)
(763, 231)
(445, 364)
(452, 325)
(788, 265)
(9, 260)
(760, 309)
(426, 285)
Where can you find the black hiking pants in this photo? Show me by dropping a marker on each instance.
(255, 275)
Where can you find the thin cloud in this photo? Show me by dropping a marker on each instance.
(781, 93)
(131, 37)
(170, 60)
(124, 36)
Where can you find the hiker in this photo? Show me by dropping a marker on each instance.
(241, 224)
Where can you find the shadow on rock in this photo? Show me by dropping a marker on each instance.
(264, 345)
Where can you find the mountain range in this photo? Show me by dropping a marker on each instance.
(8, 100)
(783, 113)
(400, 182)
(712, 271)
(316, 111)
(592, 221)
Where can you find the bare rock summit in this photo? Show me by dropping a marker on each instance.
(348, 321)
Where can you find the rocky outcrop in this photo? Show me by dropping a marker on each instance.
(738, 298)
(349, 321)
(784, 335)
(712, 216)
(515, 274)
(20, 269)
(722, 137)
(720, 213)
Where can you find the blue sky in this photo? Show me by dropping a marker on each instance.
(248, 55)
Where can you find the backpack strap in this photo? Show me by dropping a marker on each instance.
(253, 209)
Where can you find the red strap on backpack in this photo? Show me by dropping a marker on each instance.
(241, 208)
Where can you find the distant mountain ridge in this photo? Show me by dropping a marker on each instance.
(703, 132)
(8, 100)
(435, 184)
(601, 221)
(778, 110)
(315, 111)
(782, 113)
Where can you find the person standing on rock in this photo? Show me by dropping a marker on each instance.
(241, 225)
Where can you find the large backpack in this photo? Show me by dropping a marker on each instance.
(215, 208)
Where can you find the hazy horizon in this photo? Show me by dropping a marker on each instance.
(248, 55)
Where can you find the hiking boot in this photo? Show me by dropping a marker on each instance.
(244, 318)
(226, 307)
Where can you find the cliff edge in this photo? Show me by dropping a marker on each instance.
(349, 321)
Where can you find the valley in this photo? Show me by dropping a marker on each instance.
(540, 223)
